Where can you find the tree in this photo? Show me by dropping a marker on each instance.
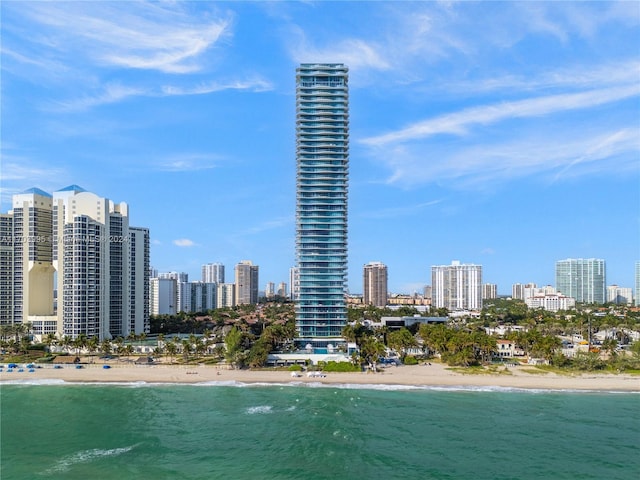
(400, 341)
(234, 343)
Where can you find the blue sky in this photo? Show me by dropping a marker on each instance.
(500, 134)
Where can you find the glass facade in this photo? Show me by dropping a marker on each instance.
(322, 158)
(582, 279)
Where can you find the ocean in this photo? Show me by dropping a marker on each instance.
(52, 430)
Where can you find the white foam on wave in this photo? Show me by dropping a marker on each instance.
(29, 381)
(86, 456)
(260, 409)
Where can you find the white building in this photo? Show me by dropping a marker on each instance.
(282, 290)
(163, 297)
(213, 273)
(197, 296)
(81, 246)
(489, 291)
(457, 286)
(226, 295)
(518, 290)
(619, 295)
(551, 302)
(270, 290)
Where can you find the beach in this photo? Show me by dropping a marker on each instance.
(432, 375)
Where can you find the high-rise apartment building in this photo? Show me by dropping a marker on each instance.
(520, 291)
(33, 268)
(213, 273)
(456, 286)
(322, 159)
(102, 266)
(637, 283)
(270, 290)
(619, 295)
(197, 296)
(282, 290)
(226, 295)
(163, 297)
(6, 269)
(582, 279)
(375, 277)
(489, 291)
(246, 283)
(84, 246)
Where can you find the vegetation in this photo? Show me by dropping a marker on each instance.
(244, 335)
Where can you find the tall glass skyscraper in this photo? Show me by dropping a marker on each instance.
(322, 157)
(582, 278)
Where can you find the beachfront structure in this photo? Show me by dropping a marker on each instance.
(213, 273)
(246, 283)
(32, 270)
(374, 284)
(102, 267)
(619, 295)
(6, 269)
(457, 286)
(489, 291)
(582, 279)
(322, 162)
(83, 247)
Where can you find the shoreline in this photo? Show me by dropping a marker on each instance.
(413, 376)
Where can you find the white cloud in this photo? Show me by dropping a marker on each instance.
(458, 123)
(184, 242)
(138, 35)
(189, 163)
(553, 156)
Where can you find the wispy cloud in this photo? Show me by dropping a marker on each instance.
(137, 35)
(553, 156)
(113, 93)
(189, 163)
(459, 122)
(184, 242)
(354, 52)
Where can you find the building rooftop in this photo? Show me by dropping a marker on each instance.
(37, 191)
(72, 188)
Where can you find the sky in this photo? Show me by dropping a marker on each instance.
(505, 135)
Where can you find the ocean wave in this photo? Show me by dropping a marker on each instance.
(298, 384)
(86, 456)
(259, 409)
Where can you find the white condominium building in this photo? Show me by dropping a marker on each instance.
(456, 286)
(213, 273)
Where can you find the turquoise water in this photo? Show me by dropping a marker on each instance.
(213, 431)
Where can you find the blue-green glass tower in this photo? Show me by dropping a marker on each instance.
(322, 157)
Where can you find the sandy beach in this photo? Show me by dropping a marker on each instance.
(435, 375)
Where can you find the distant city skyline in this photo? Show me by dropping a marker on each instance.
(510, 142)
